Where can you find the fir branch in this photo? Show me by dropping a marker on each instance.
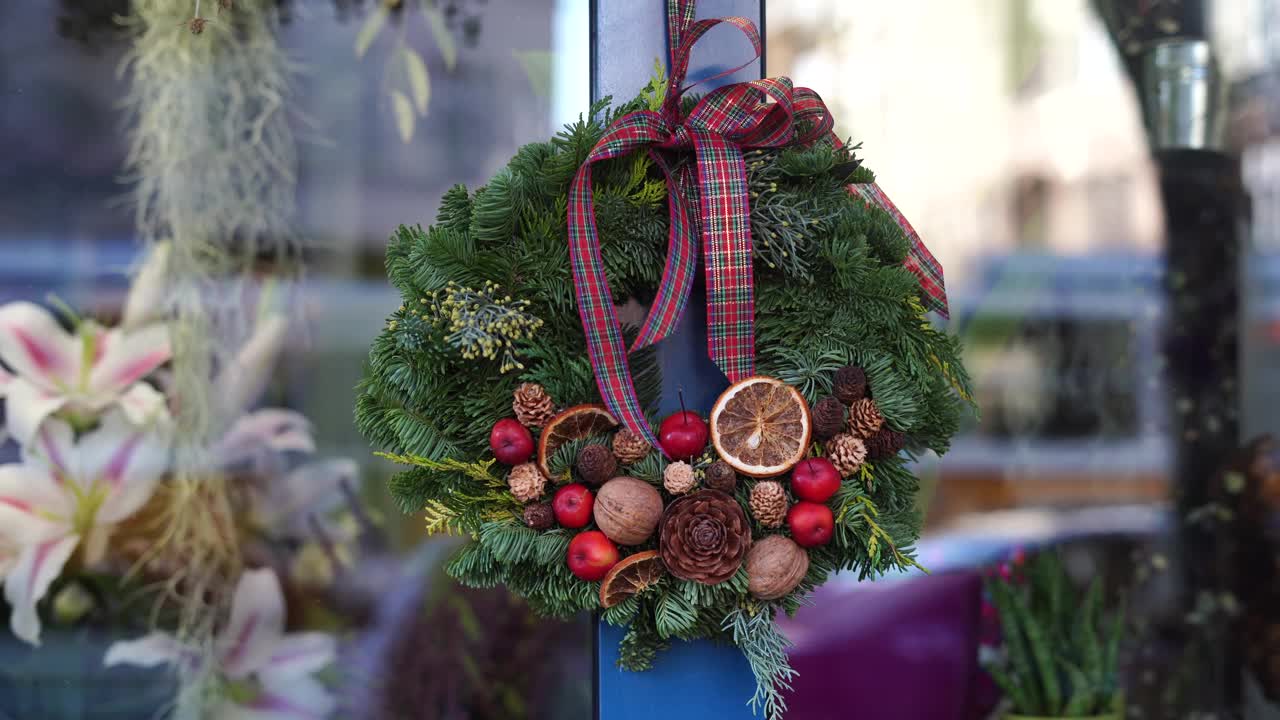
(765, 648)
(479, 471)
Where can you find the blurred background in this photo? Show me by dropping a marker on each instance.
(1011, 132)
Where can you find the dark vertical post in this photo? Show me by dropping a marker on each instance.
(691, 679)
(1169, 57)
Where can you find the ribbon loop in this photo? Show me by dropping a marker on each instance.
(760, 113)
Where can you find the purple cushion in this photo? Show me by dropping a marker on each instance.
(903, 649)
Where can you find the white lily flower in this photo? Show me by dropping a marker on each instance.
(266, 674)
(81, 373)
(68, 491)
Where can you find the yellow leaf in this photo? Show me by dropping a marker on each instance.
(537, 67)
(403, 108)
(444, 38)
(419, 80)
(370, 29)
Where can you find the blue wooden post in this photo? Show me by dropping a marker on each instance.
(701, 679)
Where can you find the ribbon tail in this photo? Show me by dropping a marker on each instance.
(726, 246)
(682, 262)
(599, 317)
(919, 260)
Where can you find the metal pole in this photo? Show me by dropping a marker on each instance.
(697, 679)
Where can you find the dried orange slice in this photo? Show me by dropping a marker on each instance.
(761, 426)
(574, 423)
(630, 577)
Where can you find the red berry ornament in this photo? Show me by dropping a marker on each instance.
(572, 505)
(683, 435)
(815, 480)
(511, 442)
(591, 555)
(811, 524)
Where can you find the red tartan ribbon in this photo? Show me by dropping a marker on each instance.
(756, 114)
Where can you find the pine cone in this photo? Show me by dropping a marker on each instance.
(828, 418)
(865, 419)
(769, 503)
(678, 478)
(630, 447)
(539, 516)
(704, 537)
(532, 405)
(721, 476)
(850, 384)
(596, 464)
(527, 482)
(847, 453)
(885, 444)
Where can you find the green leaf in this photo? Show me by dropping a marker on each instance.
(419, 80)
(370, 29)
(1040, 653)
(444, 38)
(403, 108)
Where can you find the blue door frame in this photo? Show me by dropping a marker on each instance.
(700, 679)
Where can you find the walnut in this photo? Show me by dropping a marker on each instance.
(627, 510)
(775, 567)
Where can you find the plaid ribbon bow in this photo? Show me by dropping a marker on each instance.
(756, 114)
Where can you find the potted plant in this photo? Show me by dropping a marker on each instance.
(1060, 648)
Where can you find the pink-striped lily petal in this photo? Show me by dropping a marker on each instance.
(151, 650)
(127, 358)
(6, 377)
(28, 580)
(245, 377)
(256, 625)
(53, 448)
(26, 407)
(33, 508)
(301, 654)
(126, 460)
(37, 347)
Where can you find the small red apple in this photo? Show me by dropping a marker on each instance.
(591, 555)
(511, 442)
(815, 480)
(683, 435)
(572, 505)
(811, 523)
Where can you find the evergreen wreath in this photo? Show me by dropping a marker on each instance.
(489, 310)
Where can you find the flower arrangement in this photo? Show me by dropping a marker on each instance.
(92, 495)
